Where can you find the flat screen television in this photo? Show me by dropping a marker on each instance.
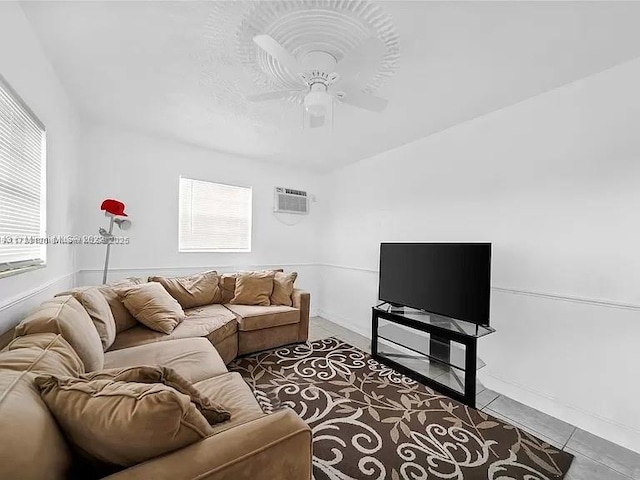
(448, 279)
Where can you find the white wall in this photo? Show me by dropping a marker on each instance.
(553, 183)
(143, 172)
(25, 66)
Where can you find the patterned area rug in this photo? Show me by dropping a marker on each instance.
(370, 422)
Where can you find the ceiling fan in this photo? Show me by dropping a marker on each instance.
(324, 79)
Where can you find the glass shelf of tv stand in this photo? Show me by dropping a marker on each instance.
(446, 323)
(418, 344)
(441, 373)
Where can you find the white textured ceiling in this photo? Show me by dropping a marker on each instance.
(171, 68)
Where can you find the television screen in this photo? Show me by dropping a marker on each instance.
(449, 279)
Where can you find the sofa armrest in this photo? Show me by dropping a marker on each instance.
(302, 301)
(277, 445)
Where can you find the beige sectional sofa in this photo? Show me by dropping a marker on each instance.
(61, 339)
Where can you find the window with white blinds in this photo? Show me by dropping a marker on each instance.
(214, 217)
(22, 184)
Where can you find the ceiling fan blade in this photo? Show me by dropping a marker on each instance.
(261, 97)
(361, 62)
(277, 51)
(364, 100)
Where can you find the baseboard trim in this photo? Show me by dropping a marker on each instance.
(607, 428)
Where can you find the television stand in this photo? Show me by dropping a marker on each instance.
(435, 350)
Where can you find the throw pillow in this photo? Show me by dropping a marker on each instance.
(123, 319)
(152, 306)
(194, 290)
(253, 288)
(283, 288)
(122, 423)
(213, 412)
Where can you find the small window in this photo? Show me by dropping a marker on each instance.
(214, 217)
(22, 185)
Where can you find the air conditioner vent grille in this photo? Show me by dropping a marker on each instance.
(288, 200)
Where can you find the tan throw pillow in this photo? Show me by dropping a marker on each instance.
(122, 317)
(122, 423)
(152, 306)
(193, 291)
(283, 288)
(253, 288)
(213, 412)
(96, 305)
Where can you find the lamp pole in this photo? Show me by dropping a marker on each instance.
(106, 260)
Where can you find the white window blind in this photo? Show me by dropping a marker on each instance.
(22, 183)
(214, 217)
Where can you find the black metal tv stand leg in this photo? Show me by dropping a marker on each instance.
(440, 347)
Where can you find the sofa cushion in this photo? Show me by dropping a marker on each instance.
(213, 412)
(233, 392)
(218, 320)
(122, 317)
(96, 305)
(253, 288)
(227, 286)
(152, 306)
(193, 358)
(41, 353)
(33, 447)
(65, 315)
(256, 318)
(212, 321)
(193, 290)
(122, 423)
(283, 288)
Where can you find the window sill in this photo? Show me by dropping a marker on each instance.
(17, 271)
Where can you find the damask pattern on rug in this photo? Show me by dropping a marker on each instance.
(371, 422)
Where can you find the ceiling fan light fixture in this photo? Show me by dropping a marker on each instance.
(317, 103)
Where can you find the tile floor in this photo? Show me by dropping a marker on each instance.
(595, 458)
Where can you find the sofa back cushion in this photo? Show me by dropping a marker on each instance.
(96, 305)
(33, 446)
(41, 353)
(194, 290)
(152, 306)
(227, 286)
(253, 288)
(65, 316)
(283, 288)
(122, 423)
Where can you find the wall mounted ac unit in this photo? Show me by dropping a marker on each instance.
(288, 200)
